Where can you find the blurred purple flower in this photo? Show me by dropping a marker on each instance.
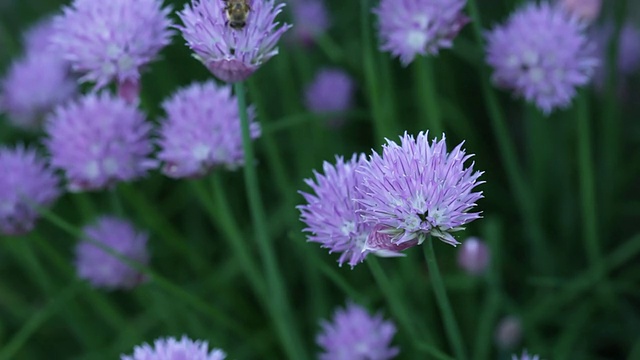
(104, 270)
(408, 28)
(311, 18)
(331, 91)
(525, 356)
(415, 189)
(508, 332)
(587, 10)
(231, 54)
(112, 40)
(330, 214)
(202, 130)
(38, 37)
(474, 256)
(628, 57)
(353, 334)
(543, 66)
(172, 349)
(25, 181)
(99, 140)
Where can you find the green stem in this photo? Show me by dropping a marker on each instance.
(281, 311)
(116, 204)
(427, 95)
(450, 324)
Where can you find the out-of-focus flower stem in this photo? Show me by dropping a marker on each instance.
(280, 308)
(427, 95)
(450, 324)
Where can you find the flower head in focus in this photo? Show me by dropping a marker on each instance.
(353, 334)
(231, 54)
(311, 18)
(102, 269)
(587, 10)
(417, 189)
(112, 40)
(172, 349)
(408, 28)
(99, 140)
(331, 91)
(525, 356)
(202, 130)
(25, 181)
(544, 66)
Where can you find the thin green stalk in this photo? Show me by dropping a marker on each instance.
(8, 350)
(281, 310)
(450, 324)
(217, 315)
(427, 95)
(116, 204)
(525, 202)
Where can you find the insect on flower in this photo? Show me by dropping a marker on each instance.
(237, 12)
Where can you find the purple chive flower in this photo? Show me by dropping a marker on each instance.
(353, 334)
(628, 57)
(331, 91)
(25, 181)
(415, 189)
(231, 54)
(408, 28)
(202, 130)
(525, 356)
(311, 18)
(587, 10)
(474, 256)
(544, 66)
(112, 40)
(172, 349)
(98, 141)
(103, 270)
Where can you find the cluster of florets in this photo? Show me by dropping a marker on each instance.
(172, 349)
(390, 202)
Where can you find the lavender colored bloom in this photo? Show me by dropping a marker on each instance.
(587, 10)
(543, 66)
(231, 54)
(415, 189)
(98, 141)
(311, 18)
(112, 40)
(172, 349)
(331, 91)
(409, 28)
(25, 181)
(525, 356)
(474, 256)
(202, 130)
(353, 334)
(103, 270)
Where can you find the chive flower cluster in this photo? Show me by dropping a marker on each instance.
(390, 202)
(172, 349)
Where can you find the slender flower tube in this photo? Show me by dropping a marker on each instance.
(231, 54)
(353, 334)
(416, 189)
(25, 182)
(202, 131)
(543, 66)
(172, 349)
(408, 28)
(112, 40)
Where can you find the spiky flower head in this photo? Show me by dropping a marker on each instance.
(171, 349)
(353, 334)
(525, 356)
(417, 189)
(112, 40)
(104, 270)
(544, 66)
(99, 140)
(587, 10)
(331, 91)
(25, 182)
(311, 18)
(408, 28)
(231, 54)
(202, 130)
